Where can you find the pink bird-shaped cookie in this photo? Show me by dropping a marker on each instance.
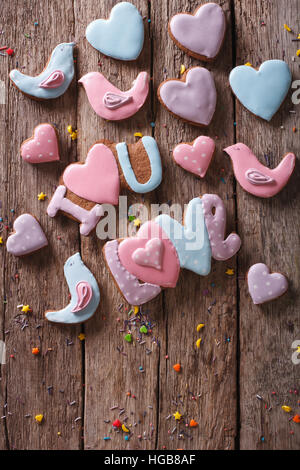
(256, 178)
(111, 103)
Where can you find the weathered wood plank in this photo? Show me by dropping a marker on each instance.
(108, 374)
(209, 373)
(41, 281)
(270, 234)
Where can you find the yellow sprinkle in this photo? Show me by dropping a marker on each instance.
(298, 37)
(198, 342)
(177, 416)
(137, 222)
(124, 428)
(200, 326)
(182, 69)
(26, 309)
(59, 433)
(230, 272)
(81, 336)
(42, 196)
(135, 309)
(1, 241)
(298, 53)
(287, 27)
(138, 134)
(287, 409)
(39, 418)
(74, 135)
(298, 349)
(248, 64)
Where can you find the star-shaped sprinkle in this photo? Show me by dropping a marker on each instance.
(42, 196)
(81, 336)
(26, 309)
(229, 272)
(177, 416)
(137, 222)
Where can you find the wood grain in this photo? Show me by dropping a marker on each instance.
(245, 350)
(270, 231)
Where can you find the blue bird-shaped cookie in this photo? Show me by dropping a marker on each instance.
(84, 291)
(55, 78)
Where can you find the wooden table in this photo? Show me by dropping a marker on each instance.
(246, 350)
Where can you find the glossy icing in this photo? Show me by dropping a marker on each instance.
(170, 266)
(216, 226)
(202, 33)
(103, 96)
(196, 157)
(264, 286)
(190, 240)
(192, 99)
(88, 219)
(97, 179)
(151, 255)
(78, 277)
(256, 178)
(55, 80)
(261, 91)
(28, 236)
(152, 150)
(121, 36)
(84, 293)
(134, 292)
(61, 62)
(42, 147)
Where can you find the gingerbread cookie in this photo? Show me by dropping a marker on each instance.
(195, 157)
(261, 91)
(84, 292)
(27, 237)
(200, 34)
(192, 98)
(263, 285)
(55, 78)
(108, 166)
(256, 178)
(121, 36)
(141, 266)
(111, 103)
(42, 147)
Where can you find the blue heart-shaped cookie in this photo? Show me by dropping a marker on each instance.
(121, 36)
(261, 91)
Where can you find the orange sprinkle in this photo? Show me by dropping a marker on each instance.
(35, 351)
(193, 423)
(296, 419)
(177, 367)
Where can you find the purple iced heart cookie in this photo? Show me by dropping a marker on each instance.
(200, 34)
(192, 98)
(28, 236)
(264, 286)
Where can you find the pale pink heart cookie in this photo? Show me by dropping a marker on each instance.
(195, 157)
(200, 34)
(42, 147)
(264, 286)
(168, 274)
(97, 179)
(151, 255)
(28, 236)
(192, 98)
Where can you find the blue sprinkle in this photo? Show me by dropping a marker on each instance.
(106, 438)
(152, 124)
(126, 438)
(149, 21)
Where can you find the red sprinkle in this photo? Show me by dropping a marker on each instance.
(10, 51)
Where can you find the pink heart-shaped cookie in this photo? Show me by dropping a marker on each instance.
(201, 34)
(151, 255)
(42, 147)
(28, 236)
(192, 98)
(196, 157)
(264, 286)
(168, 274)
(97, 179)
